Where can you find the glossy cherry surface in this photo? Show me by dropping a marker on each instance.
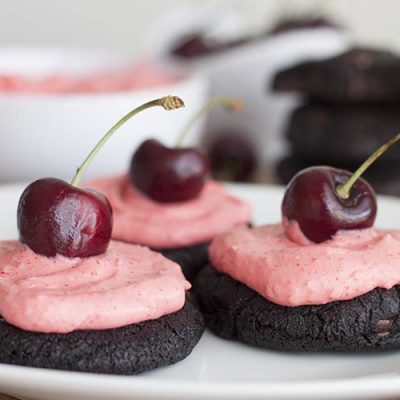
(232, 157)
(312, 200)
(55, 217)
(168, 174)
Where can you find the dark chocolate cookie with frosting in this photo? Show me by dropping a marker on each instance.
(128, 350)
(191, 259)
(235, 312)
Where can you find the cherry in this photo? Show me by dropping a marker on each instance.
(312, 201)
(55, 217)
(323, 200)
(168, 175)
(173, 174)
(232, 157)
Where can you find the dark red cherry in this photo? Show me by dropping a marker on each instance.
(232, 157)
(55, 217)
(168, 174)
(323, 200)
(174, 174)
(313, 201)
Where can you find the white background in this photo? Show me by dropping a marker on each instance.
(122, 24)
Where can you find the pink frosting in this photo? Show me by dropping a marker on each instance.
(126, 285)
(296, 272)
(138, 219)
(137, 77)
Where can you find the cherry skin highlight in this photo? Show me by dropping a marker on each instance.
(311, 199)
(168, 174)
(55, 217)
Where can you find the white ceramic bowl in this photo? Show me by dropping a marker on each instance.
(50, 134)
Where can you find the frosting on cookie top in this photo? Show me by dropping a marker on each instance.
(138, 219)
(128, 284)
(292, 271)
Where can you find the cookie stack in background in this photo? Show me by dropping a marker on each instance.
(352, 107)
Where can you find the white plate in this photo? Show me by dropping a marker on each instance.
(218, 369)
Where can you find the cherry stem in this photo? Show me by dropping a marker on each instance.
(168, 103)
(344, 190)
(229, 103)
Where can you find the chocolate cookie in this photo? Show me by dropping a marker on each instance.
(235, 312)
(358, 75)
(383, 175)
(343, 132)
(190, 258)
(127, 351)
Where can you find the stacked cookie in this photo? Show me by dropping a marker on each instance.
(353, 107)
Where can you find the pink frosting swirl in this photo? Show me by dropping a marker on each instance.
(126, 285)
(296, 272)
(138, 219)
